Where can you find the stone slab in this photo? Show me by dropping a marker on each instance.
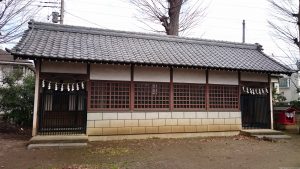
(58, 145)
(273, 137)
(251, 132)
(165, 135)
(59, 139)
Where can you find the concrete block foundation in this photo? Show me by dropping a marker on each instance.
(127, 123)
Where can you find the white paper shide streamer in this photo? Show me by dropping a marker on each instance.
(63, 86)
(255, 91)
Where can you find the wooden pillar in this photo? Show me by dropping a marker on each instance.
(171, 99)
(88, 86)
(132, 88)
(270, 102)
(240, 89)
(36, 97)
(206, 91)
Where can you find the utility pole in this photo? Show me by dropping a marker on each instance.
(244, 26)
(54, 4)
(62, 9)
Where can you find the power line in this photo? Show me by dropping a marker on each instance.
(124, 7)
(104, 4)
(205, 17)
(133, 18)
(223, 4)
(84, 19)
(129, 17)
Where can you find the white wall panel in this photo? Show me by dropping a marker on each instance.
(189, 76)
(109, 72)
(64, 67)
(254, 77)
(223, 77)
(152, 74)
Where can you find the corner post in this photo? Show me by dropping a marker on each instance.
(36, 97)
(271, 100)
(88, 86)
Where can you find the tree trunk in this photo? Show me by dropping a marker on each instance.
(174, 12)
(298, 24)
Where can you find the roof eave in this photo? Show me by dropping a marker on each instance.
(147, 64)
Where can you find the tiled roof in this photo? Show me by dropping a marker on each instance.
(7, 58)
(53, 41)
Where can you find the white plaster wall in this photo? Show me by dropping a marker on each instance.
(152, 74)
(64, 67)
(254, 77)
(223, 77)
(291, 92)
(109, 72)
(6, 69)
(3, 68)
(189, 76)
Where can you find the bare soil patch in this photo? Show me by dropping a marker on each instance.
(10, 131)
(238, 152)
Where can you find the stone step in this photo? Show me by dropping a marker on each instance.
(252, 132)
(56, 145)
(57, 141)
(272, 137)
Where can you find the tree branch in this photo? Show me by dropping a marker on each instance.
(174, 15)
(14, 14)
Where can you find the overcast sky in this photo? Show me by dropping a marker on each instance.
(223, 20)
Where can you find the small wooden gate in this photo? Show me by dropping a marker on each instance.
(255, 111)
(62, 112)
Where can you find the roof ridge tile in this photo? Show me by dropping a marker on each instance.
(131, 34)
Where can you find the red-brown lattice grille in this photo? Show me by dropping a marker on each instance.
(109, 95)
(223, 97)
(148, 95)
(189, 96)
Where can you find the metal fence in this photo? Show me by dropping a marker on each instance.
(62, 112)
(255, 111)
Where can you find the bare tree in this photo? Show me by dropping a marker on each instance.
(285, 23)
(13, 15)
(176, 16)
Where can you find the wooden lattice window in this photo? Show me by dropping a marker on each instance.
(109, 95)
(189, 96)
(151, 95)
(223, 97)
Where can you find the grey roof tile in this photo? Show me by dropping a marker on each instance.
(44, 40)
(7, 58)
